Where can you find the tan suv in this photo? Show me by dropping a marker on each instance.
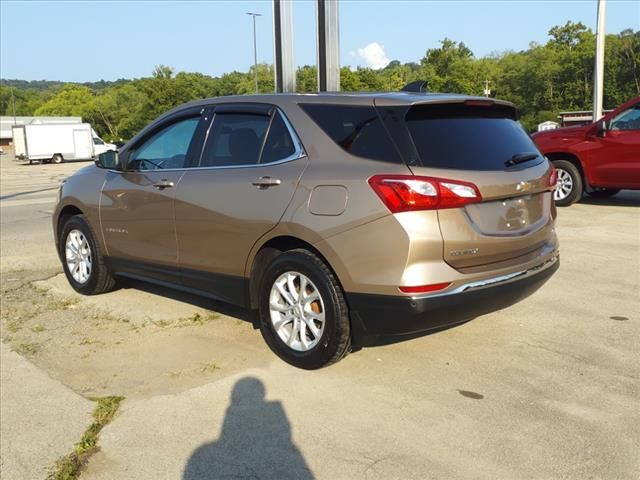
(344, 219)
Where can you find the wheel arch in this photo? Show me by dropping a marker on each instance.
(270, 249)
(569, 157)
(65, 213)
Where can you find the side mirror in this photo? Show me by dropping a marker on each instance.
(603, 128)
(109, 160)
(597, 130)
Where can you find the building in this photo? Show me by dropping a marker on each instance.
(581, 117)
(7, 123)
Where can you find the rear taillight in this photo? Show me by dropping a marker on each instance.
(553, 178)
(405, 193)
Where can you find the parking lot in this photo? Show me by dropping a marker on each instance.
(547, 389)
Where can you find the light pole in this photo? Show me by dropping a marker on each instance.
(255, 47)
(598, 77)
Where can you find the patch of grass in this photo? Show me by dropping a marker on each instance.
(70, 466)
(28, 348)
(63, 304)
(88, 341)
(38, 328)
(199, 319)
(14, 326)
(208, 367)
(162, 323)
(40, 290)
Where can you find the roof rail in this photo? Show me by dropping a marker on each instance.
(417, 86)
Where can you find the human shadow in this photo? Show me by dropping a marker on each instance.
(255, 441)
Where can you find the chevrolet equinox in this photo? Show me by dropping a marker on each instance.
(344, 219)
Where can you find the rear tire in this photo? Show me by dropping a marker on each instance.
(57, 158)
(82, 258)
(603, 192)
(304, 317)
(569, 186)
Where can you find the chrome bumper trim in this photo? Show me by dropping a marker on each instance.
(492, 281)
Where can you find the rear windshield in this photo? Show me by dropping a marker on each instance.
(467, 138)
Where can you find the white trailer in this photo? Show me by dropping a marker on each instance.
(53, 142)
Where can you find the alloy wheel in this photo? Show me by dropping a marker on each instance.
(297, 311)
(564, 185)
(78, 256)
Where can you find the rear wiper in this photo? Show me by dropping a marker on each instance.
(520, 158)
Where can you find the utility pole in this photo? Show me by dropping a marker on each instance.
(598, 74)
(255, 47)
(13, 104)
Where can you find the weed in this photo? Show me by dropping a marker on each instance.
(37, 328)
(208, 367)
(70, 466)
(162, 323)
(28, 348)
(63, 304)
(14, 326)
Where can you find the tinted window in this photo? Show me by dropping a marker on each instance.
(358, 130)
(97, 141)
(234, 139)
(467, 138)
(627, 120)
(167, 148)
(279, 144)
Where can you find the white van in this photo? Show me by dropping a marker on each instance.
(57, 142)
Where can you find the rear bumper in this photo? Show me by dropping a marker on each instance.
(380, 318)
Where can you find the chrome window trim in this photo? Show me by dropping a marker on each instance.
(296, 155)
(493, 281)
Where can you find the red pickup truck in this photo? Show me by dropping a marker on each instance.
(600, 158)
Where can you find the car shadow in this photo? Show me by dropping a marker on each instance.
(251, 316)
(626, 198)
(240, 313)
(255, 441)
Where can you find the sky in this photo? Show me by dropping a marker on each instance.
(93, 40)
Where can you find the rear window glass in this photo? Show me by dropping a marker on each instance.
(358, 130)
(467, 138)
(279, 144)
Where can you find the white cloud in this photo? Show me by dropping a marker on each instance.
(374, 56)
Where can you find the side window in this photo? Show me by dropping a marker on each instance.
(279, 144)
(627, 120)
(358, 130)
(167, 148)
(234, 139)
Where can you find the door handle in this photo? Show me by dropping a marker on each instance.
(266, 182)
(164, 183)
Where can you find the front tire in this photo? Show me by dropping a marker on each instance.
(304, 317)
(57, 158)
(569, 186)
(82, 259)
